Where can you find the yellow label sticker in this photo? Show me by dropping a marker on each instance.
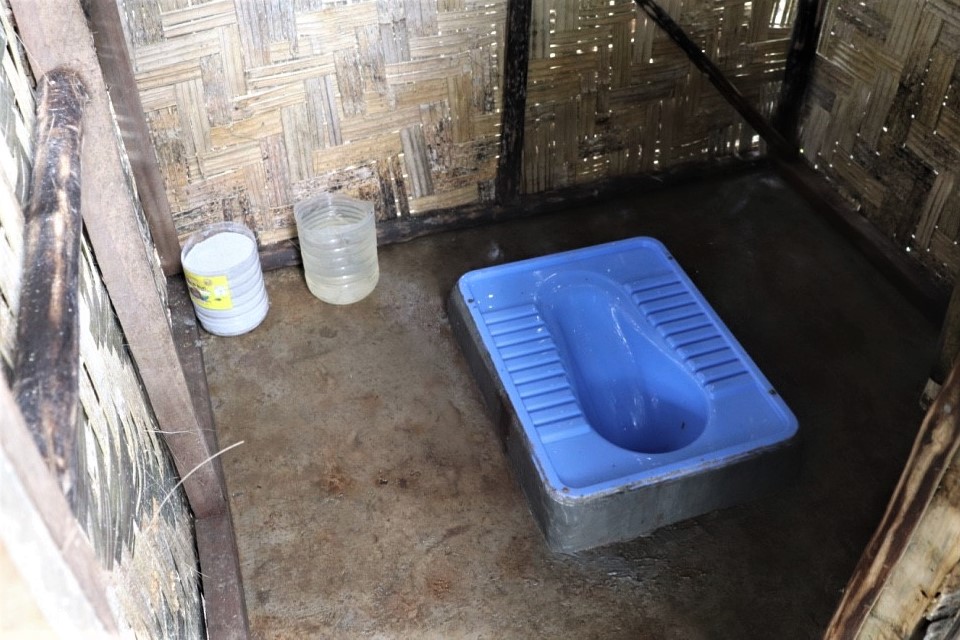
(209, 292)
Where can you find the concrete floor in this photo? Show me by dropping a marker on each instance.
(372, 500)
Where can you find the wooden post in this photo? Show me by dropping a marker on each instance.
(935, 447)
(516, 59)
(46, 369)
(799, 68)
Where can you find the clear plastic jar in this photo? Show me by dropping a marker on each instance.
(338, 243)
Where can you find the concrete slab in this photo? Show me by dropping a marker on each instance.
(371, 497)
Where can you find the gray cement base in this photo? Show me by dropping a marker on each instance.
(372, 498)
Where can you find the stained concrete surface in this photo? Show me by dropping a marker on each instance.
(372, 500)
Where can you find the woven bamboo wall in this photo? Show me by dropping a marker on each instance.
(256, 104)
(124, 470)
(883, 120)
(610, 94)
(16, 130)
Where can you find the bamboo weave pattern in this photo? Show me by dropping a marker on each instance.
(256, 104)
(883, 119)
(610, 94)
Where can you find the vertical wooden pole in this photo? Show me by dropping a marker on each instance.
(799, 67)
(516, 60)
(46, 370)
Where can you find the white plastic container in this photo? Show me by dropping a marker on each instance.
(338, 243)
(222, 269)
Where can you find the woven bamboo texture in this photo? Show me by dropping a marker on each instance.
(16, 133)
(883, 119)
(256, 104)
(610, 94)
(124, 469)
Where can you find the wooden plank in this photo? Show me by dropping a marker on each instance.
(47, 363)
(53, 35)
(57, 539)
(515, 59)
(936, 445)
(799, 67)
(216, 541)
(923, 571)
(222, 583)
(111, 48)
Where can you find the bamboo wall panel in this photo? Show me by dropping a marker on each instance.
(16, 131)
(256, 104)
(126, 495)
(128, 498)
(609, 94)
(883, 119)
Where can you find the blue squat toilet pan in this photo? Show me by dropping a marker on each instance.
(623, 401)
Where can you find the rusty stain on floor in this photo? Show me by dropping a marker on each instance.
(372, 500)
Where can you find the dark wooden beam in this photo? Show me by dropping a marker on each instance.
(935, 447)
(216, 540)
(226, 609)
(514, 109)
(799, 67)
(777, 143)
(46, 369)
(111, 47)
